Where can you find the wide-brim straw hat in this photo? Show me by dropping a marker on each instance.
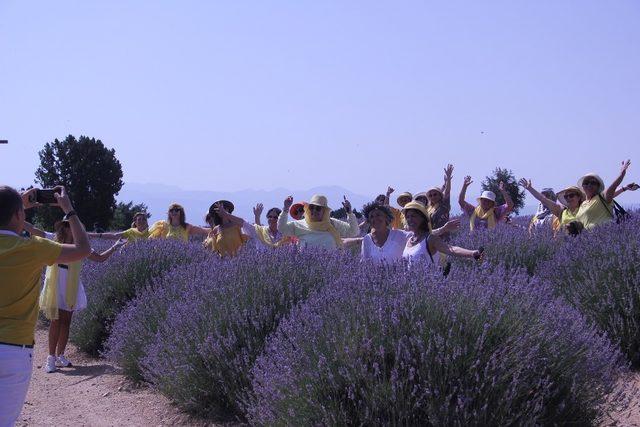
(438, 189)
(592, 175)
(404, 195)
(319, 200)
(417, 206)
(228, 206)
(487, 195)
(293, 210)
(561, 194)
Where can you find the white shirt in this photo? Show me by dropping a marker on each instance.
(389, 252)
(317, 239)
(420, 252)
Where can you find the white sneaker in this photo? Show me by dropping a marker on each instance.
(50, 366)
(63, 361)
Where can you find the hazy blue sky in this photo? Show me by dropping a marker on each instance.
(242, 94)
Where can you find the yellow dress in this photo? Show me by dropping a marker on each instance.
(593, 213)
(162, 229)
(227, 241)
(133, 234)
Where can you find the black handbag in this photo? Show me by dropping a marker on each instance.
(619, 213)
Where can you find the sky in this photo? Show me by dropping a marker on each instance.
(225, 96)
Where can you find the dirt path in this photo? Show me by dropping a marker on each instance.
(91, 393)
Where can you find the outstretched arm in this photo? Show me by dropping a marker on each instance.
(436, 244)
(555, 208)
(450, 226)
(448, 175)
(196, 230)
(97, 257)
(610, 193)
(284, 226)
(108, 236)
(257, 212)
(33, 230)
(507, 197)
(630, 187)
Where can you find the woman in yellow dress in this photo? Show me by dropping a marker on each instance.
(139, 230)
(226, 236)
(175, 227)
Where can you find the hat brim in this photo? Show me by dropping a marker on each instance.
(485, 198)
(596, 177)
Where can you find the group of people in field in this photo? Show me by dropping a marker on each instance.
(416, 231)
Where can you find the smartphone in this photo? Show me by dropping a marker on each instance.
(46, 196)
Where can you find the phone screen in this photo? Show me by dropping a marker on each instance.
(46, 196)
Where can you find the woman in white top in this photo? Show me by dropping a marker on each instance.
(382, 244)
(422, 245)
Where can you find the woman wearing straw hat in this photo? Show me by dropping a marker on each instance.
(423, 245)
(175, 227)
(63, 293)
(570, 197)
(226, 236)
(318, 229)
(439, 202)
(486, 214)
(596, 208)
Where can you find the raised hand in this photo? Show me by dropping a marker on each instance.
(346, 204)
(29, 198)
(452, 225)
(632, 186)
(625, 166)
(287, 203)
(62, 199)
(526, 183)
(257, 211)
(389, 191)
(467, 181)
(448, 172)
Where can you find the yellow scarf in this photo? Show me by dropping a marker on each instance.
(324, 225)
(264, 236)
(488, 215)
(49, 296)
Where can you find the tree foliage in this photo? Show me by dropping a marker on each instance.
(123, 215)
(91, 173)
(492, 182)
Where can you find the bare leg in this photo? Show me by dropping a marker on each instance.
(65, 324)
(54, 333)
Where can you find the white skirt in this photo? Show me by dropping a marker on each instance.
(81, 298)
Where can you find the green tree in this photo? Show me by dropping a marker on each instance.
(123, 215)
(91, 173)
(491, 183)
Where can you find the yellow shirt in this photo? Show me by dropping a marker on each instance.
(593, 213)
(567, 216)
(21, 263)
(227, 241)
(133, 234)
(398, 222)
(162, 229)
(178, 232)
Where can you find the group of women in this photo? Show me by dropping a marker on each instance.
(417, 231)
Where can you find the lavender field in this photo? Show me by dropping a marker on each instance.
(541, 332)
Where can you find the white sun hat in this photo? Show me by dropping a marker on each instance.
(488, 195)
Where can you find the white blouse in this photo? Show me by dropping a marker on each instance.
(419, 252)
(389, 252)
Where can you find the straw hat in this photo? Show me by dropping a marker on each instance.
(404, 195)
(417, 206)
(566, 190)
(421, 194)
(596, 177)
(319, 200)
(487, 195)
(293, 210)
(438, 189)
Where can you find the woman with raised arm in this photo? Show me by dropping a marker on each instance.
(63, 292)
(139, 230)
(268, 236)
(486, 214)
(596, 208)
(318, 229)
(439, 201)
(175, 227)
(570, 197)
(226, 236)
(421, 245)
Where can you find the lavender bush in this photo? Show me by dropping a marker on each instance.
(384, 347)
(112, 284)
(599, 274)
(508, 246)
(203, 352)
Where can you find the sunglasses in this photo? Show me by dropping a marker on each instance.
(589, 182)
(315, 208)
(174, 210)
(570, 196)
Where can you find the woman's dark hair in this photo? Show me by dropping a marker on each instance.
(10, 203)
(574, 228)
(276, 210)
(370, 207)
(380, 198)
(425, 223)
